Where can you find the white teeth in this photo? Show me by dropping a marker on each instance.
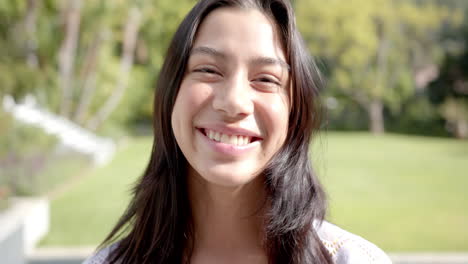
(233, 140)
(224, 139)
(227, 139)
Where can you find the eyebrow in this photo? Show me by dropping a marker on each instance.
(270, 61)
(260, 60)
(208, 51)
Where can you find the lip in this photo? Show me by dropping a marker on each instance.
(226, 149)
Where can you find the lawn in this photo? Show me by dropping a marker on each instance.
(403, 193)
(86, 213)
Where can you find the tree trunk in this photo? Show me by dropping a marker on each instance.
(376, 119)
(375, 107)
(30, 29)
(129, 43)
(67, 55)
(461, 129)
(88, 75)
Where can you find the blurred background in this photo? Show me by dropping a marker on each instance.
(76, 87)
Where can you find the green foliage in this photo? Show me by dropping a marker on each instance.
(30, 162)
(161, 20)
(374, 49)
(16, 75)
(418, 116)
(5, 193)
(454, 110)
(23, 152)
(99, 19)
(449, 92)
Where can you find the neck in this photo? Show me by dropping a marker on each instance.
(227, 220)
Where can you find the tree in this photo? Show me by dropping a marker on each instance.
(449, 92)
(80, 57)
(30, 29)
(375, 49)
(129, 43)
(67, 54)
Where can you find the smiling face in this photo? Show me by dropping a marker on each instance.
(231, 112)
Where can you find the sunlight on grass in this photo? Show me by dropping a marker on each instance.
(86, 214)
(403, 193)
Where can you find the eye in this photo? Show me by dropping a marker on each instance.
(206, 70)
(267, 83)
(268, 80)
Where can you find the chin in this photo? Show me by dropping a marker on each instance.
(226, 177)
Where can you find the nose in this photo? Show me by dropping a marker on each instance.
(233, 98)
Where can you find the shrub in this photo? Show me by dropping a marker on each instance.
(28, 156)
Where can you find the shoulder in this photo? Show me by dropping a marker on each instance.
(101, 256)
(347, 248)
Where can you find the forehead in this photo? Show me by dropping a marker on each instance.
(240, 32)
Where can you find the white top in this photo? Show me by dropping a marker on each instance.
(347, 248)
(344, 247)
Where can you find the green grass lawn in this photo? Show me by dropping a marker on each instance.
(85, 214)
(403, 193)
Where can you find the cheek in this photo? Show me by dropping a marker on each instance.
(282, 120)
(176, 121)
(190, 101)
(276, 112)
(194, 94)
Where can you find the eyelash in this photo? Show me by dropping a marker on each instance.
(207, 70)
(261, 79)
(269, 80)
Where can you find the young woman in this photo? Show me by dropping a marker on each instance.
(230, 179)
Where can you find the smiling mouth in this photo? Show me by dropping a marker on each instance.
(235, 140)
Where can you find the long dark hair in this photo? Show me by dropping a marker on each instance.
(157, 225)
